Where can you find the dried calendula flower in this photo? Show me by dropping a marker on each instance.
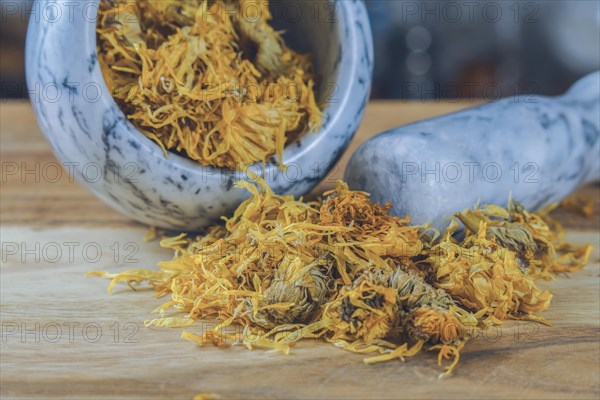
(206, 396)
(364, 311)
(395, 313)
(426, 316)
(264, 269)
(430, 313)
(205, 79)
(485, 277)
(537, 241)
(557, 254)
(371, 235)
(580, 204)
(343, 270)
(298, 291)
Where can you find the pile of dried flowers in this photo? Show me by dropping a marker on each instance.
(211, 80)
(344, 270)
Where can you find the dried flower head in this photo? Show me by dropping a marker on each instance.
(486, 277)
(365, 311)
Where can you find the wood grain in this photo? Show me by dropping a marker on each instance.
(64, 337)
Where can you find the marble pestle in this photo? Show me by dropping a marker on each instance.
(537, 149)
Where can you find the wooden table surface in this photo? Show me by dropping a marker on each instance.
(63, 337)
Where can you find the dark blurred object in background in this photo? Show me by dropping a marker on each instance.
(432, 49)
(13, 27)
(485, 49)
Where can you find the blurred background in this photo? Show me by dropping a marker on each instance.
(432, 49)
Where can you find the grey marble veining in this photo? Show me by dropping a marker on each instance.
(106, 154)
(537, 148)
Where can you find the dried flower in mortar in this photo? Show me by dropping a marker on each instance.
(211, 80)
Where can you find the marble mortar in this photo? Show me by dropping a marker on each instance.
(107, 155)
